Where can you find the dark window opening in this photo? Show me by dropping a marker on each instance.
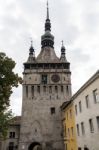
(56, 89)
(79, 148)
(85, 148)
(12, 135)
(76, 109)
(91, 125)
(32, 91)
(95, 95)
(87, 101)
(44, 79)
(11, 146)
(78, 132)
(61, 88)
(52, 110)
(97, 122)
(82, 128)
(80, 107)
(67, 89)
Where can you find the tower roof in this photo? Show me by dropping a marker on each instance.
(47, 39)
(47, 53)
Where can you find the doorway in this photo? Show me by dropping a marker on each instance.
(35, 146)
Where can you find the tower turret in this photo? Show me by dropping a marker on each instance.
(63, 57)
(31, 53)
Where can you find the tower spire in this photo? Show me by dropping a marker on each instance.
(47, 39)
(47, 10)
(47, 23)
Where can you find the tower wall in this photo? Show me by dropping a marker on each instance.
(41, 115)
(46, 85)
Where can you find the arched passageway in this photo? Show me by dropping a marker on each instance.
(35, 146)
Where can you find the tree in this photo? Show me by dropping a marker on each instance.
(4, 123)
(8, 80)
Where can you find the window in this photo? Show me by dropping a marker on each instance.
(85, 148)
(26, 91)
(87, 101)
(44, 79)
(67, 89)
(32, 91)
(97, 122)
(68, 133)
(65, 130)
(79, 148)
(80, 107)
(61, 88)
(82, 128)
(78, 133)
(56, 89)
(72, 131)
(70, 113)
(11, 146)
(38, 89)
(76, 109)
(95, 95)
(12, 135)
(52, 110)
(91, 125)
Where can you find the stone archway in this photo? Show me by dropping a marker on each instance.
(35, 146)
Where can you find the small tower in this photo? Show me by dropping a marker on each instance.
(31, 57)
(63, 57)
(46, 85)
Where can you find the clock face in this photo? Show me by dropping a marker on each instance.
(55, 78)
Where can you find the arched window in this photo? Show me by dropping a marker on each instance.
(56, 89)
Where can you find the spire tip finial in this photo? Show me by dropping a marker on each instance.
(47, 10)
(62, 43)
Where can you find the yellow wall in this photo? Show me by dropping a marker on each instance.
(69, 128)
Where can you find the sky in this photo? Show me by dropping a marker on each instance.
(76, 22)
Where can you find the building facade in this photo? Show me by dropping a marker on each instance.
(12, 140)
(69, 127)
(46, 85)
(86, 103)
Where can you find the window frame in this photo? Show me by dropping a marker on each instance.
(91, 125)
(87, 101)
(52, 110)
(96, 96)
(80, 106)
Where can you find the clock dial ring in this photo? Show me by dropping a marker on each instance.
(55, 78)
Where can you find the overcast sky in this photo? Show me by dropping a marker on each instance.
(74, 21)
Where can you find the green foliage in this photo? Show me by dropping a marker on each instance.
(4, 123)
(8, 80)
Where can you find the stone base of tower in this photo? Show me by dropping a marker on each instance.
(34, 145)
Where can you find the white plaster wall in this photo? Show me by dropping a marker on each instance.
(91, 140)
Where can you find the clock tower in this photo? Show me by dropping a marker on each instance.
(46, 85)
